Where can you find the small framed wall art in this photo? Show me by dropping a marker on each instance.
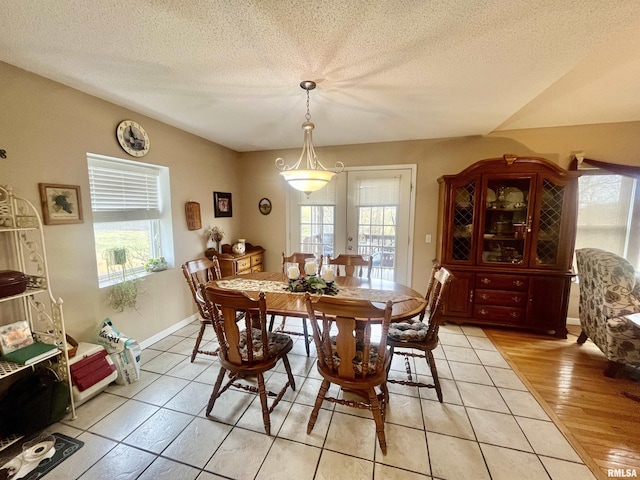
(222, 206)
(264, 205)
(60, 204)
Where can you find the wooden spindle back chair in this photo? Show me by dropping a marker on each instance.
(351, 265)
(421, 335)
(198, 272)
(299, 259)
(350, 359)
(247, 348)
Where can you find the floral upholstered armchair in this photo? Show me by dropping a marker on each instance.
(608, 293)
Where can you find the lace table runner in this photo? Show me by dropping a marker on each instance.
(270, 286)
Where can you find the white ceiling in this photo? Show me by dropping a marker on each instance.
(229, 70)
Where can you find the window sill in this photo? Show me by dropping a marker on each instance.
(109, 282)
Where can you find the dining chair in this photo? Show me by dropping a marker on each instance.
(299, 259)
(198, 272)
(416, 334)
(351, 264)
(349, 358)
(244, 354)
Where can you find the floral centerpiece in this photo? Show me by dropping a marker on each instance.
(313, 284)
(215, 234)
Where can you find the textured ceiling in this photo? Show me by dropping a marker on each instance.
(387, 70)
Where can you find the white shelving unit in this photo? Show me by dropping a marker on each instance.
(22, 248)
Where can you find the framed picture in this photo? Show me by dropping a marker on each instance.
(264, 205)
(60, 204)
(222, 204)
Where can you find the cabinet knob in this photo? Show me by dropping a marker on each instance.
(484, 296)
(486, 281)
(518, 283)
(516, 299)
(482, 311)
(515, 314)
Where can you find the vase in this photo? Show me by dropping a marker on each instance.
(239, 247)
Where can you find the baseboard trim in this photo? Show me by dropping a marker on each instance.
(167, 331)
(573, 321)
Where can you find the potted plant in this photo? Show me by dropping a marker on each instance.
(155, 264)
(124, 293)
(117, 256)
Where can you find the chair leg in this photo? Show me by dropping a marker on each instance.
(216, 389)
(385, 392)
(377, 416)
(287, 368)
(316, 408)
(434, 373)
(306, 335)
(262, 391)
(198, 340)
(582, 338)
(391, 352)
(612, 369)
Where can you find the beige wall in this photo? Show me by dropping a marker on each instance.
(48, 128)
(614, 142)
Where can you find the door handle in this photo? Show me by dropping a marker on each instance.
(350, 238)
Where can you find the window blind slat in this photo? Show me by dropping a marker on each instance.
(123, 192)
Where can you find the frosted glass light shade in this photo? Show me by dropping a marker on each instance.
(307, 181)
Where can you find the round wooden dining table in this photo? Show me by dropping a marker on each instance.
(407, 303)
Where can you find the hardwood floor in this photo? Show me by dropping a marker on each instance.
(596, 413)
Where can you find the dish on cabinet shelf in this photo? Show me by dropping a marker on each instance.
(463, 199)
(513, 196)
(491, 197)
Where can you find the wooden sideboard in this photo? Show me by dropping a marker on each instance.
(233, 264)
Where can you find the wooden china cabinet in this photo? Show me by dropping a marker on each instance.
(506, 230)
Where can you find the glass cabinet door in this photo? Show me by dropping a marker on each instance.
(549, 223)
(506, 220)
(464, 198)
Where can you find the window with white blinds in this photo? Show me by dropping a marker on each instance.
(606, 218)
(131, 207)
(316, 220)
(377, 191)
(123, 191)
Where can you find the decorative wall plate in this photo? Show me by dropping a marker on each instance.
(264, 205)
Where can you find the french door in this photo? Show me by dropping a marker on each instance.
(367, 211)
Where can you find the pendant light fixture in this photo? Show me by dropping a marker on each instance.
(315, 176)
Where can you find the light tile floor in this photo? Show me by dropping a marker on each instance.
(489, 426)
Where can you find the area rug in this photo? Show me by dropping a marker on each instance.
(64, 447)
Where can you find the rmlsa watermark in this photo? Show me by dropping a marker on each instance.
(622, 473)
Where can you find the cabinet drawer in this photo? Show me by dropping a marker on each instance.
(256, 268)
(256, 260)
(501, 297)
(495, 314)
(502, 282)
(243, 264)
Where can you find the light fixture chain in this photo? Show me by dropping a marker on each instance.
(308, 115)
